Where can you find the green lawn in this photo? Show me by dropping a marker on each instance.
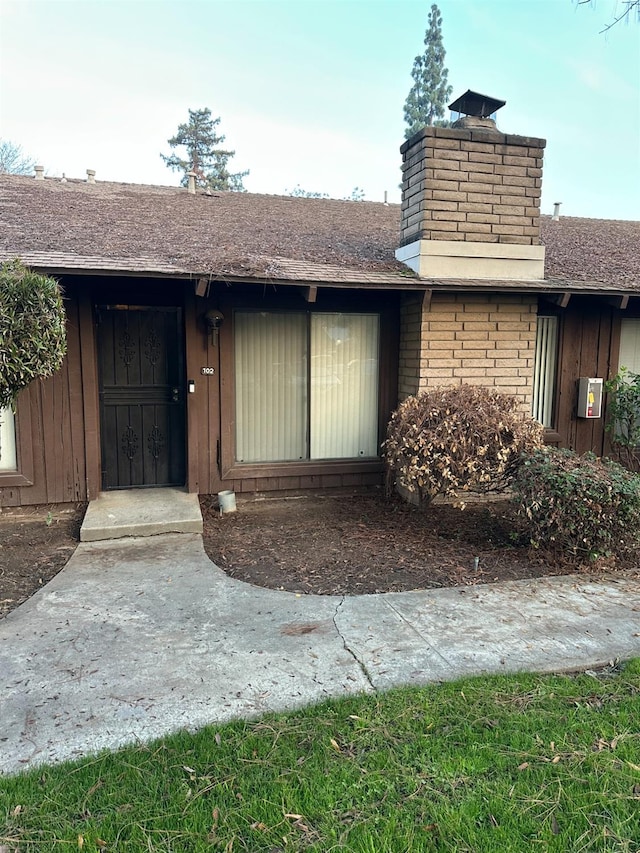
(490, 764)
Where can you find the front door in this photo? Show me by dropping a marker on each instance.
(142, 401)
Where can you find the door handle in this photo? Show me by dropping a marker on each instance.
(175, 395)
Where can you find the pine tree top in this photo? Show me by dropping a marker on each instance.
(427, 98)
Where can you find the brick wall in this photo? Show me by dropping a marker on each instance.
(412, 325)
(475, 338)
(471, 185)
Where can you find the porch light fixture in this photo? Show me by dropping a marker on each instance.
(213, 320)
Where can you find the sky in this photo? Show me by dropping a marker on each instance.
(310, 93)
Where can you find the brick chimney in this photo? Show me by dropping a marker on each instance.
(471, 199)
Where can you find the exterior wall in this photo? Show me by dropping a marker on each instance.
(589, 346)
(474, 338)
(50, 431)
(471, 185)
(58, 419)
(449, 339)
(413, 323)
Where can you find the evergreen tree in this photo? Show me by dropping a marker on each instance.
(200, 139)
(427, 99)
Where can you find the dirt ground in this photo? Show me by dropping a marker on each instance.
(35, 543)
(345, 545)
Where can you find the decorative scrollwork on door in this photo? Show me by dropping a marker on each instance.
(155, 442)
(129, 443)
(152, 348)
(127, 348)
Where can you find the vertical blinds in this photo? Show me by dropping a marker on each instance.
(306, 386)
(544, 372)
(344, 386)
(630, 344)
(271, 387)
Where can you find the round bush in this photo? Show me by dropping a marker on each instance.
(452, 440)
(582, 505)
(32, 329)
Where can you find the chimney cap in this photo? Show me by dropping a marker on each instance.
(475, 104)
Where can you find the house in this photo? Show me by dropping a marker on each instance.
(260, 343)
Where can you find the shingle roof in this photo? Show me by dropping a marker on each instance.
(593, 250)
(166, 231)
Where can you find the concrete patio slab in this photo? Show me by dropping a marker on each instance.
(141, 512)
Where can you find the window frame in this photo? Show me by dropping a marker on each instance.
(230, 468)
(23, 473)
(623, 321)
(551, 433)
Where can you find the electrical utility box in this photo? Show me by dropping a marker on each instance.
(589, 398)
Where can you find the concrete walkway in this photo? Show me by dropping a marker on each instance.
(137, 638)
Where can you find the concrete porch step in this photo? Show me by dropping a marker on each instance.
(141, 512)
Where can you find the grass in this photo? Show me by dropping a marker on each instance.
(512, 763)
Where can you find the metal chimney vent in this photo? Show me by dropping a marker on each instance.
(475, 104)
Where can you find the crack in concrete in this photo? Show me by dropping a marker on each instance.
(418, 633)
(350, 651)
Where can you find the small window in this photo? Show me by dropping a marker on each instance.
(630, 345)
(306, 386)
(8, 458)
(545, 371)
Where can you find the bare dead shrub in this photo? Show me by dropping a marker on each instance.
(453, 440)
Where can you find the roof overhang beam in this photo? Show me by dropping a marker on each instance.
(202, 286)
(561, 300)
(621, 302)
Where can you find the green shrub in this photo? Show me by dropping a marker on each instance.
(623, 423)
(581, 505)
(452, 440)
(32, 329)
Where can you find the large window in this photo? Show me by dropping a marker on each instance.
(545, 369)
(8, 460)
(630, 344)
(306, 386)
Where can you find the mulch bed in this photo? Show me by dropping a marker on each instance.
(356, 544)
(339, 544)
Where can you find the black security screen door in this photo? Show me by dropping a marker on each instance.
(141, 396)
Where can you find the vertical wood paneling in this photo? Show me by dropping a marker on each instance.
(90, 399)
(589, 331)
(51, 433)
(197, 403)
(78, 470)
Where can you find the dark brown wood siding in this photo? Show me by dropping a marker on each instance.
(589, 346)
(203, 406)
(58, 419)
(51, 430)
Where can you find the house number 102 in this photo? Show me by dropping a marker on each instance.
(207, 371)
